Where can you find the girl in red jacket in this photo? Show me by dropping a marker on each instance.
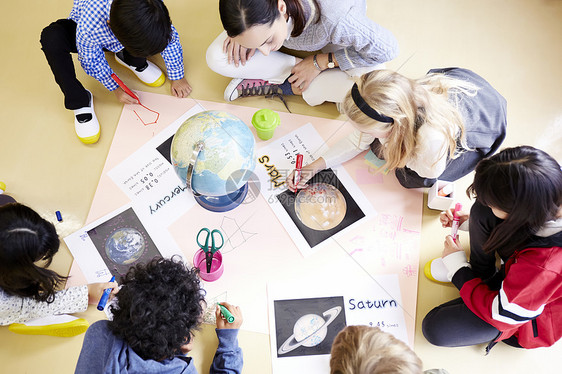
(518, 217)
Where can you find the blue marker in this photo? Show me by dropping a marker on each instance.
(105, 296)
(59, 216)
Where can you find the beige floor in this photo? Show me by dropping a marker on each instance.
(515, 44)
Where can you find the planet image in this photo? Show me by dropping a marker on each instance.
(125, 245)
(321, 206)
(309, 330)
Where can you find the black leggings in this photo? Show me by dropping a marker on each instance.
(454, 325)
(58, 41)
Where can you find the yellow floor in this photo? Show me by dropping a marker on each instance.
(515, 44)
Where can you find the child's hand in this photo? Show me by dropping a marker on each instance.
(180, 88)
(235, 311)
(124, 97)
(306, 174)
(451, 246)
(236, 53)
(446, 217)
(95, 290)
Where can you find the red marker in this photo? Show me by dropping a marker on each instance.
(455, 225)
(297, 177)
(124, 87)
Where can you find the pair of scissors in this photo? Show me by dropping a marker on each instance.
(209, 250)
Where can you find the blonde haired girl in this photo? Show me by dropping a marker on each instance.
(438, 126)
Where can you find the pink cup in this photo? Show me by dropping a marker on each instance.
(216, 266)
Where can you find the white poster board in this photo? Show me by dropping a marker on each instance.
(113, 243)
(305, 317)
(148, 178)
(277, 160)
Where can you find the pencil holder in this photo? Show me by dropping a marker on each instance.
(216, 266)
(434, 201)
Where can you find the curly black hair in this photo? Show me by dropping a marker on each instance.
(158, 307)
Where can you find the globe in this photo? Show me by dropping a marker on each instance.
(224, 163)
(125, 245)
(321, 206)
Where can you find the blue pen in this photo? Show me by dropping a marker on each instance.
(105, 296)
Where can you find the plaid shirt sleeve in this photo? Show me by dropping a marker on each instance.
(173, 57)
(92, 35)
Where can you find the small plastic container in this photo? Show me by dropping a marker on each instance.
(434, 201)
(265, 121)
(216, 266)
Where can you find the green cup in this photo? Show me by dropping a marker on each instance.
(265, 121)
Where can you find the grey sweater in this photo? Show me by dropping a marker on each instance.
(345, 24)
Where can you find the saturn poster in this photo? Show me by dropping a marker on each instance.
(306, 316)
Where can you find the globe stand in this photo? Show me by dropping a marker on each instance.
(222, 203)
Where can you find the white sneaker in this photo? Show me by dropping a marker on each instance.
(436, 271)
(151, 75)
(88, 131)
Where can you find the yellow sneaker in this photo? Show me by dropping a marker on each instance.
(151, 75)
(62, 325)
(436, 271)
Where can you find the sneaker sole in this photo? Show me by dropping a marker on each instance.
(65, 330)
(157, 83)
(228, 92)
(90, 139)
(427, 273)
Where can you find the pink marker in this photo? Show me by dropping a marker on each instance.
(298, 169)
(455, 225)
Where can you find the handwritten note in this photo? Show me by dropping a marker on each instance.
(147, 177)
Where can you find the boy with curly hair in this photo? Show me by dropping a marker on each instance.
(133, 30)
(159, 306)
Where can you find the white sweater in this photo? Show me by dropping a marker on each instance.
(430, 155)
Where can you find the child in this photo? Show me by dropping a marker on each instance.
(28, 290)
(159, 306)
(369, 350)
(134, 30)
(517, 215)
(351, 45)
(435, 127)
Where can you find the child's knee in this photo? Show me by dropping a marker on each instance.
(216, 58)
(51, 35)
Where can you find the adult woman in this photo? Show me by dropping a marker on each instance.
(255, 30)
(517, 216)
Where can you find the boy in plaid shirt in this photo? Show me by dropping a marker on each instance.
(133, 30)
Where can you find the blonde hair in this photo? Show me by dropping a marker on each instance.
(368, 350)
(412, 103)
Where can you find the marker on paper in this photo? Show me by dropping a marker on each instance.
(455, 225)
(105, 296)
(226, 313)
(124, 87)
(298, 169)
(59, 216)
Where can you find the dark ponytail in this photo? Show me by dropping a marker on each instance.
(238, 16)
(524, 182)
(26, 238)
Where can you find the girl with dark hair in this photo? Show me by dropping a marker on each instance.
(28, 289)
(351, 45)
(517, 216)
